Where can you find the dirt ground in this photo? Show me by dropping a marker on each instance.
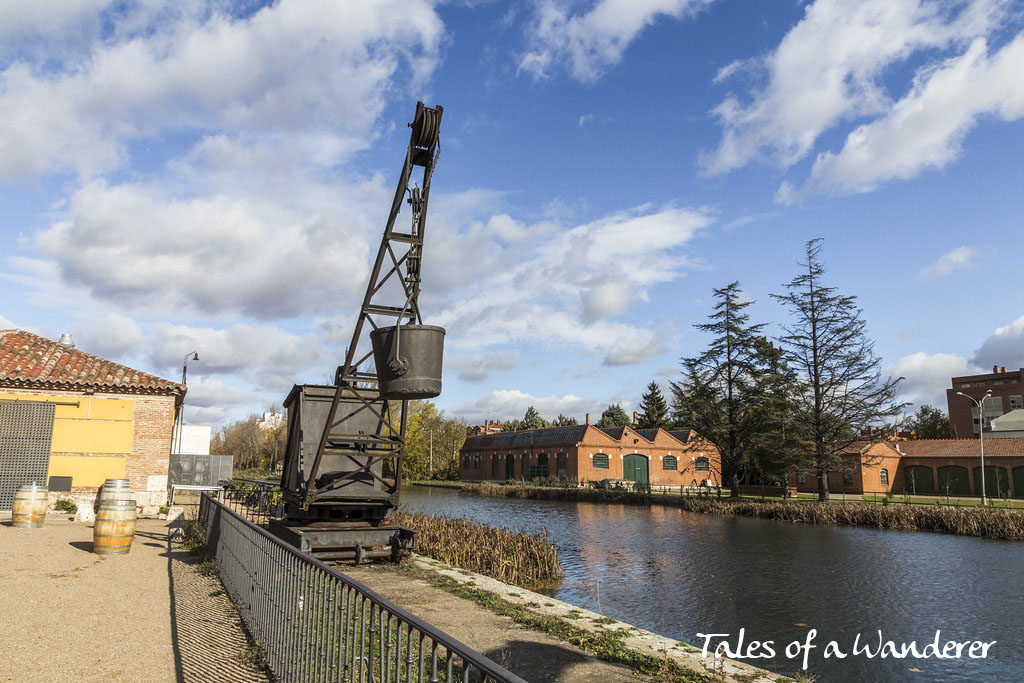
(71, 615)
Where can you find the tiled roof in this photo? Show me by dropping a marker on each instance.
(28, 361)
(683, 435)
(961, 448)
(614, 432)
(527, 437)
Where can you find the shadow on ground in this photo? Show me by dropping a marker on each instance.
(540, 662)
(209, 643)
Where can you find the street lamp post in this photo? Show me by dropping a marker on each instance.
(981, 436)
(191, 355)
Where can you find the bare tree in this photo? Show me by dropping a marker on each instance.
(842, 392)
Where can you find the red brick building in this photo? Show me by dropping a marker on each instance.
(87, 419)
(933, 467)
(1007, 394)
(584, 453)
(953, 467)
(866, 468)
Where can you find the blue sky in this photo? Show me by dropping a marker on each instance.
(181, 176)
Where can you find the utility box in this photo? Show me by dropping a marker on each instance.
(199, 470)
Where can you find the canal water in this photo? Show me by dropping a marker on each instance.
(679, 574)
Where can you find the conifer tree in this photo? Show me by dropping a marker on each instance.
(715, 396)
(653, 408)
(613, 416)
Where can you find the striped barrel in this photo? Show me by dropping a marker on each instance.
(29, 508)
(116, 489)
(115, 527)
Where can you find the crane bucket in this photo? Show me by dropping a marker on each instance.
(408, 360)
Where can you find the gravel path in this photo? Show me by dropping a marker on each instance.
(71, 615)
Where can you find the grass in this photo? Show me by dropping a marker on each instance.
(995, 523)
(606, 645)
(508, 555)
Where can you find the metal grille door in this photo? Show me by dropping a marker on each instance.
(26, 429)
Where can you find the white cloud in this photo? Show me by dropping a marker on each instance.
(926, 128)
(113, 336)
(585, 120)
(38, 27)
(479, 366)
(828, 69)
(562, 289)
(264, 256)
(1004, 347)
(926, 376)
(961, 258)
(505, 404)
(591, 41)
(263, 355)
(213, 392)
(6, 324)
(292, 67)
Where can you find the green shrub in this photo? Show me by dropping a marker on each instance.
(65, 505)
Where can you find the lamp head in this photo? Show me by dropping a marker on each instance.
(195, 356)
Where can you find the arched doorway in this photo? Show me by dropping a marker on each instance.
(634, 468)
(918, 479)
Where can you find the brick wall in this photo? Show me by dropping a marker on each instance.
(580, 460)
(147, 464)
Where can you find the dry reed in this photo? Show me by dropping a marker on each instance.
(509, 555)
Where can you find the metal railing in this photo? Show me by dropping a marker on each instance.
(257, 501)
(316, 624)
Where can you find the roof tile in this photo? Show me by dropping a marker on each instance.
(31, 361)
(961, 448)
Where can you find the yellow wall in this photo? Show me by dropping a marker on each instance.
(86, 470)
(96, 425)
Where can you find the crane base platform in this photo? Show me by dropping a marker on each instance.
(347, 542)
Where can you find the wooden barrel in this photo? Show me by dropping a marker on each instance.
(116, 489)
(29, 508)
(115, 527)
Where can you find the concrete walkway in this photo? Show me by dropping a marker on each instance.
(532, 654)
(71, 615)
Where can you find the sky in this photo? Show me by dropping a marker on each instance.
(180, 176)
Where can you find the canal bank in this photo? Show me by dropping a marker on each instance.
(1000, 524)
(679, 574)
(541, 638)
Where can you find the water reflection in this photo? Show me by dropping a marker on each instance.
(680, 573)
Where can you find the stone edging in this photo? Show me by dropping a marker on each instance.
(642, 641)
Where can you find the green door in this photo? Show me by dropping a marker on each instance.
(634, 468)
(918, 479)
(996, 483)
(1018, 482)
(953, 481)
(510, 466)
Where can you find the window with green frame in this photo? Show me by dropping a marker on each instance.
(883, 476)
(702, 465)
(669, 462)
(600, 461)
